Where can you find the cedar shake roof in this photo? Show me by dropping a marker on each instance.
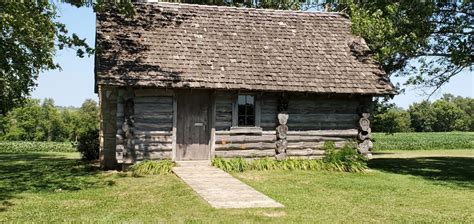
(194, 46)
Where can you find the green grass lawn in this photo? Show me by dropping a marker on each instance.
(401, 186)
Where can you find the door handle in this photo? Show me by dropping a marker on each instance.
(199, 124)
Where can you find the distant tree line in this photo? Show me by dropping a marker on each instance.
(43, 121)
(449, 113)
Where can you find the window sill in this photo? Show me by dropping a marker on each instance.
(246, 130)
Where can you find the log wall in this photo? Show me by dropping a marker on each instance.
(312, 121)
(108, 105)
(152, 126)
(313, 113)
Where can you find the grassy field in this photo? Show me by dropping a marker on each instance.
(423, 141)
(405, 186)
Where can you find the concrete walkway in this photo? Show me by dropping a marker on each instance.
(219, 188)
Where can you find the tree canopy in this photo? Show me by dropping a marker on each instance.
(449, 113)
(427, 41)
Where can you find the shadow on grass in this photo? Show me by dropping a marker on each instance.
(43, 172)
(451, 170)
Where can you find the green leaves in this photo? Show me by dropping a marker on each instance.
(148, 167)
(29, 35)
(428, 42)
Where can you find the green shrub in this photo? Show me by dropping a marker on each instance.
(24, 146)
(88, 144)
(149, 167)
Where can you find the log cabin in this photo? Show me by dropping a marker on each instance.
(193, 82)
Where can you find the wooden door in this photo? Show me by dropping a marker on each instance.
(193, 126)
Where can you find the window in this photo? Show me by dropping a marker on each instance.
(246, 110)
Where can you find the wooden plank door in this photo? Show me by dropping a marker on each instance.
(193, 126)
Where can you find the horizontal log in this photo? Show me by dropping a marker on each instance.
(153, 92)
(312, 138)
(153, 133)
(150, 155)
(243, 146)
(153, 127)
(244, 138)
(223, 117)
(304, 152)
(163, 116)
(152, 139)
(241, 130)
(154, 100)
(223, 124)
(314, 118)
(245, 153)
(163, 121)
(333, 133)
(153, 147)
(152, 108)
(312, 145)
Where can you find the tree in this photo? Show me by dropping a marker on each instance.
(393, 120)
(30, 35)
(88, 131)
(427, 41)
(422, 116)
(435, 34)
(448, 116)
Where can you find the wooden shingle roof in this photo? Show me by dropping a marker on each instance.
(194, 46)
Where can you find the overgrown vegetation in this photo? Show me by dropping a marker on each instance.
(423, 141)
(149, 167)
(23, 146)
(344, 160)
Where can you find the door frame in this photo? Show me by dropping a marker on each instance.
(211, 120)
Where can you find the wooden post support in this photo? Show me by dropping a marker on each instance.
(108, 127)
(282, 129)
(365, 133)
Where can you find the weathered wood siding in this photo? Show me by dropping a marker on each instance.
(312, 121)
(153, 126)
(223, 103)
(313, 113)
(108, 105)
(153, 123)
(269, 111)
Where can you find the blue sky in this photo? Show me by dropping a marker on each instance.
(75, 82)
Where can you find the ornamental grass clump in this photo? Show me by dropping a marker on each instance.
(231, 165)
(344, 160)
(149, 167)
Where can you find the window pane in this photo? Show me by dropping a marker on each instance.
(250, 121)
(250, 99)
(246, 110)
(241, 100)
(241, 120)
(250, 110)
(241, 110)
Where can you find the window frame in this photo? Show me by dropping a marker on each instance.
(235, 110)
